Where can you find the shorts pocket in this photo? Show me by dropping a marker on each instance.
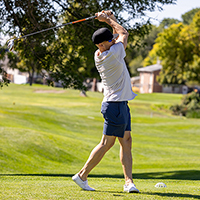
(111, 113)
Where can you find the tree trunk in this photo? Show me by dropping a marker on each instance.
(94, 85)
(31, 77)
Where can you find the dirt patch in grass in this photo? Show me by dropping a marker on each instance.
(50, 91)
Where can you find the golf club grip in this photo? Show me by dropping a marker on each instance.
(81, 20)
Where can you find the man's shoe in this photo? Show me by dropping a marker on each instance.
(83, 184)
(131, 188)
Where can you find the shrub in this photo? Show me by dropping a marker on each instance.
(189, 107)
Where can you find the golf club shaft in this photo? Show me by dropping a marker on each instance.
(80, 20)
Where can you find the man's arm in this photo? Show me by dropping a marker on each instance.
(109, 18)
(110, 14)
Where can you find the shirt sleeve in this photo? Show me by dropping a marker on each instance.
(118, 50)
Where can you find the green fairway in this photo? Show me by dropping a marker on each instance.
(47, 134)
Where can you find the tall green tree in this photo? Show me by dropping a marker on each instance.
(167, 22)
(24, 17)
(136, 56)
(193, 74)
(178, 49)
(188, 16)
(3, 74)
(169, 50)
(67, 55)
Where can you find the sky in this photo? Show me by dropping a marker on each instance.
(174, 10)
(169, 11)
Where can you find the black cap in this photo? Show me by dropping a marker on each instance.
(103, 34)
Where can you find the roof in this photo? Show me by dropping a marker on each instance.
(150, 68)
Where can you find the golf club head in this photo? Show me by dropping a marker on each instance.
(11, 45)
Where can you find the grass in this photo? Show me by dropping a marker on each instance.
(48, 133)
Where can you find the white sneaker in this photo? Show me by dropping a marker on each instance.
(83, 184)
(131, 188)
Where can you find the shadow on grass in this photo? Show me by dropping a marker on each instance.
(173, 195)
(177, 175)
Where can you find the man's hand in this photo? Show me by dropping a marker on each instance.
(108, 12)
(102, 16)
(105, 14)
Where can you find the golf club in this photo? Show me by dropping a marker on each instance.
(10, 42)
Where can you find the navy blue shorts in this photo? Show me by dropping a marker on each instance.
(117, 118)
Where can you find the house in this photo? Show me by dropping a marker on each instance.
(148, 82)
(14, 75)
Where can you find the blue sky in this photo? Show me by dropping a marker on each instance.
(174, 10)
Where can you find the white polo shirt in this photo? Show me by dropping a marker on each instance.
(114, 74)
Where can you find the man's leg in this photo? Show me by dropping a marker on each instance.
(96, 155)
(126, 156)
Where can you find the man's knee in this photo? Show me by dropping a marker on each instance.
(129, 139)
(126, 141)
(107, 141)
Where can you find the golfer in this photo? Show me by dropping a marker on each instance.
(109, 61)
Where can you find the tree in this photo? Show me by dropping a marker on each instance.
(189, 107)
(188, 16)
(137, 53)
(167, 22)
(3, 74)
(25, 17)
(193, 74)
(178, 48)
(136, 56)
(71, 60)
(152, 57)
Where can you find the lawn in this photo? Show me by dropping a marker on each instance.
(48, 133)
